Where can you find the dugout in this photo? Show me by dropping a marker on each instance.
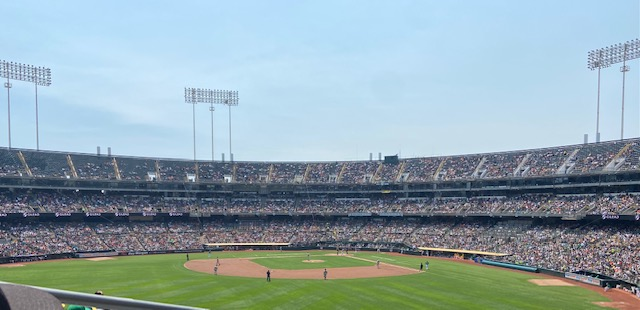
(465, 254)
(592, 278)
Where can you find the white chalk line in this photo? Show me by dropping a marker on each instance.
(368, 260)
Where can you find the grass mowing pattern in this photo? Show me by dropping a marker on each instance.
(162, 278)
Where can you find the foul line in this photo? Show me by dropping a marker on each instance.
(368, 260)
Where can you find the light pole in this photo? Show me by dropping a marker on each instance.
(230, 152)
(595, 61)
(605, 57)
(229, 98)
(7, 84)
(190, 96)
(211, 108)
(624, 69)
(28, 73)
(42, 77)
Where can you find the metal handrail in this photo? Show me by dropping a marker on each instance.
(106, 302)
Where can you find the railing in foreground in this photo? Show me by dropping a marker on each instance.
(106, 302)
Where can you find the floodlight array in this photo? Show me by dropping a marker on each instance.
(201, 95)
(28, 73)
(617, 53)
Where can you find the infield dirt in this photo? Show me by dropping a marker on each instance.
(244, 267)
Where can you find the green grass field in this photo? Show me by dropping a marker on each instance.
(162, 278)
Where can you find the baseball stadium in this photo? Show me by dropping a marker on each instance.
(487, 192)
(557, 227)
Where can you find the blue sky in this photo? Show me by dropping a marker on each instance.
(318, 80)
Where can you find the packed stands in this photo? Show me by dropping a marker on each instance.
(606, 249)
(563, 208)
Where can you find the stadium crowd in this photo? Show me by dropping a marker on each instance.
(613, 250)
(609, 247)
(525, 204)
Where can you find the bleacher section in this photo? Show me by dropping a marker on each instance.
(531, 205)
(574, 160)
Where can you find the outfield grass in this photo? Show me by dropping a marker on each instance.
(163, 278)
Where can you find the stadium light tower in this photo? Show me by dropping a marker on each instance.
(195, 95)
(607, 56)
(28, 73)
